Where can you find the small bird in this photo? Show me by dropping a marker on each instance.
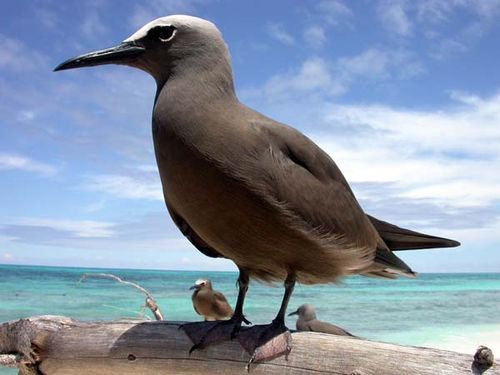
(242, 186)
(307, 321)
(209, 303)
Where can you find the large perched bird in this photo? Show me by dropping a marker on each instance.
(242, 186)
(209, 303)
(307, 321)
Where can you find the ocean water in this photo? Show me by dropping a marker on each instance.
(451, 311)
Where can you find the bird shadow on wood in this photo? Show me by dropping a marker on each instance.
(164, 340)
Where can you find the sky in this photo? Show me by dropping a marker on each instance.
(403, 95)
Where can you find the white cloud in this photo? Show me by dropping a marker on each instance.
(95, 206)
(149, 168)
(371, 62)
(313, 76)
(434, 20)
(393, 15)
(447, 156)
(315, 36)
(76, 228)
(324, 16)
(148, 233)
(278, 32)
(437, 11)
(7, 257)
(7, 238)
(153, 9)
(126, 186)
(334, 12)
(444, 48)
(46, 17)
(92, 26)
(18, 162)
(16, 56)
(26, 116)
(318, 76)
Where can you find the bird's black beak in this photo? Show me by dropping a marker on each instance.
(114, 55)
(294, 313)
(194, 287)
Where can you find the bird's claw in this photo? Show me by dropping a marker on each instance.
(265, 342)
(193, 348)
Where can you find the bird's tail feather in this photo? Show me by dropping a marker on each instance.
(389, 264)
(380, 274)
(397, 238)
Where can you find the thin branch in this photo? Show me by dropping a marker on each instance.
(150, 301)
(141, 312)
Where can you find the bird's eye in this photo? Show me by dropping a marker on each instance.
(162, 33)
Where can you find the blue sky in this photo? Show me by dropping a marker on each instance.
(404, 95)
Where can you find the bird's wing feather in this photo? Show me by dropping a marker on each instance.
(387, 264)
(316, 325)
(222, 305)
(315, 189)
(309, 182)
(397, 238)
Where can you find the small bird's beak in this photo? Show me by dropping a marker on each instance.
(113, 55)
(294, 313)
(194, 287)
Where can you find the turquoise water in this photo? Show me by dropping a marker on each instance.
(406, 311)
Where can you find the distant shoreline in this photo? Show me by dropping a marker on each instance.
(114, 268)
(200, 270)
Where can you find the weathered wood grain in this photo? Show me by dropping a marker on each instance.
(61, 346)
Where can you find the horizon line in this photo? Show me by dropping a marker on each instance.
(200, 270)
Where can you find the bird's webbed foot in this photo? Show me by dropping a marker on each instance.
(265, 342)
(203, 334)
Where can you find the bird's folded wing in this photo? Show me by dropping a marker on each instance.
(307, 181)
(319, 326)
(221, 304)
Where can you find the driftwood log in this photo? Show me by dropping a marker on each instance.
(55, 345)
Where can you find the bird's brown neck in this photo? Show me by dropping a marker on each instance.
(197, 80)
(188, 101)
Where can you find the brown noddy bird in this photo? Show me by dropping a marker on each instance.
(243, 186)
(209, 303)
(307, 321)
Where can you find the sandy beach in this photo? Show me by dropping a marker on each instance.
(462, 339)
(467, 340)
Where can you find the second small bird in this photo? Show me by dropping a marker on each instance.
(209, 303)
(308, 321)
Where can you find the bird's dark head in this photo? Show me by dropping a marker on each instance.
(167, 46)
(202, 284)
(305, 311)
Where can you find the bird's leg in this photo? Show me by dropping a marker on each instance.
(206, 333)
(265, 342)
(238, 317)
